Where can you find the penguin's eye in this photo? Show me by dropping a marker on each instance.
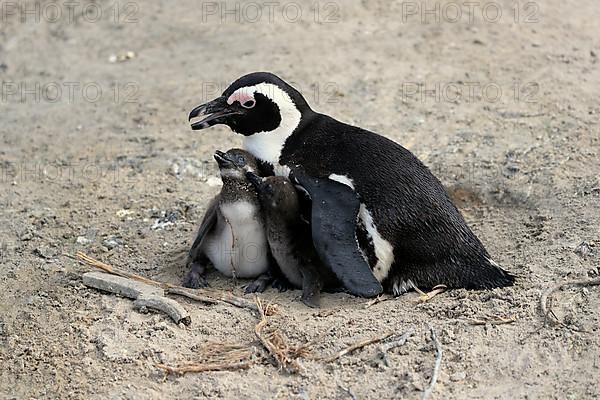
(241, 160)
(249, 103)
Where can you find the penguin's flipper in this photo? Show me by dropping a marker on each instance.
(334, 215)
(208, 223)
(196, 259)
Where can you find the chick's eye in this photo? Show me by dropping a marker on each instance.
(249, 103)
(242, 160)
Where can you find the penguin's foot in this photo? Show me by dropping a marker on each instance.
(281, 284)
(259, 284)
(195, 279)
(312, 300)
(311, 287)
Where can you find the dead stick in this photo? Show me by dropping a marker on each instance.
(205, 367)
(347, 390)
(377, 300)
(193, 296)
(436, 368)
(169, 306)
(170, 288)
(213, 297)
(356, 346)
(115, 271)
(546, 310)
(497, 321)
(392, 344)
(258, 331)
(237, 301)
(119, 285)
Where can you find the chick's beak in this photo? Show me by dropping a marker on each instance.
(254, 179)
(215, 112)
(222, 159)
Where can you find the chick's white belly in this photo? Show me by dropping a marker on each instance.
(238, 246)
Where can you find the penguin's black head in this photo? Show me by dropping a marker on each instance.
(235, 163)
(236, 158)
(259, 102)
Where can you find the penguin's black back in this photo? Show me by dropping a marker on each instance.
(432, 242)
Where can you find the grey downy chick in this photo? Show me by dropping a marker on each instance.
(290, 239)
(232, 234)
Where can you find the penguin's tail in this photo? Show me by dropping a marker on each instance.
(491, 275)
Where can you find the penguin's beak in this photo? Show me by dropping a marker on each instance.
(223, 160)
(215, 112)
(254, 179)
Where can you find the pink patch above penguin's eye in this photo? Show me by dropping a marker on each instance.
(242, 96)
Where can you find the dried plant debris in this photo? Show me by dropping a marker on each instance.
(119, 285)
(495, 320)
(356, 346)
(215, 356)
(284, 355)
(437, 366)
(209, 296)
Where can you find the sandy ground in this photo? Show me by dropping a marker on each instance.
(121, 177)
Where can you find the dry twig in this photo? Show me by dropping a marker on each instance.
(119, 285)
(377, 300)
(145, 295)
(497, 320)
(115, 271)
(216, 357)
(356, 346)
(204, 367)
(547, 310)
(347, 390)
(392, 344)
(169, 306)
(210, 296)
(275, 343)
(436, 368)
(192, 296)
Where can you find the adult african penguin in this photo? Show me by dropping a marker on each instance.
(405, 231)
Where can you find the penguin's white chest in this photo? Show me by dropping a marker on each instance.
(238, 245)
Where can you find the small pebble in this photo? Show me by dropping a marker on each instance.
(82, 240)
(458, 376)
(584, 249)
